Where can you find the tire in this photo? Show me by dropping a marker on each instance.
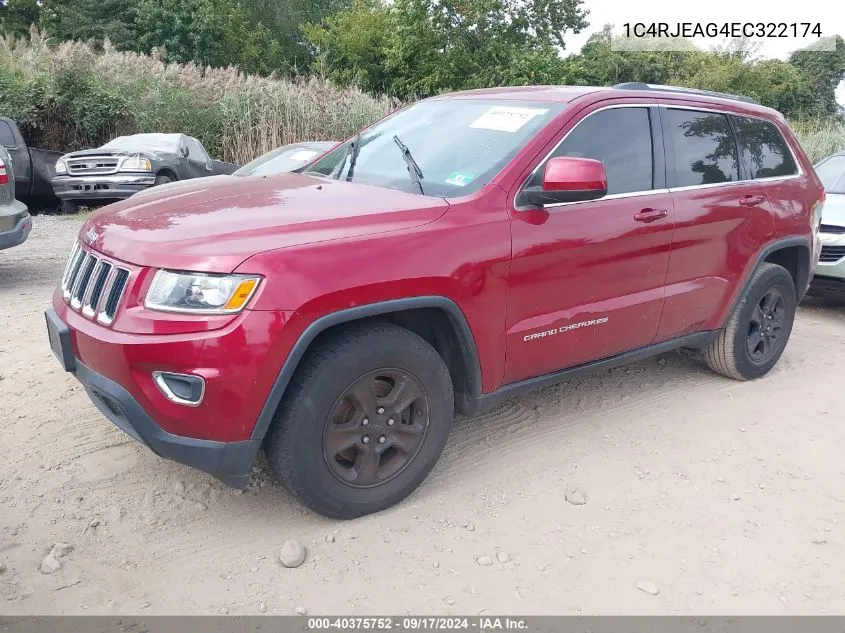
(731, 353)
(69, 206)
(306, 428)
(162, 179)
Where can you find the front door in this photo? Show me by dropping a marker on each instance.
(587, 278)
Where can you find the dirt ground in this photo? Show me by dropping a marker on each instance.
(702, 495)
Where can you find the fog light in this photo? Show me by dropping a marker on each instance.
(185, 389)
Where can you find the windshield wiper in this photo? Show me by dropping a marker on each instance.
(414, 170)
(352, 151)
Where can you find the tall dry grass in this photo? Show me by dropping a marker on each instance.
(81, 97)
(820, 138)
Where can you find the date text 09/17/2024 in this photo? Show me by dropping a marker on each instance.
(411, 623)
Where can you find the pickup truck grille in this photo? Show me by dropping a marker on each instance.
(92, 165)
(832, 254)
(830, 228)
(93, 285)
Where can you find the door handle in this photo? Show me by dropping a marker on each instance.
(751, 201)
(650, 215)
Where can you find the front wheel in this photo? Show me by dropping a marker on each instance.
(162, 179)
(363, 421)
(759, 327)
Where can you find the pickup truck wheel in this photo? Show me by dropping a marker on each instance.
(363, 421)
(162, 179)
(759, 327)
(69, 206)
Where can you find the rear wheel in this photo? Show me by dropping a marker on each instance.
(759, 327)
(363, 422)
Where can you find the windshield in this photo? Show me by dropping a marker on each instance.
(832, 174)
(459, 145)
(286, 158)
(154, 142)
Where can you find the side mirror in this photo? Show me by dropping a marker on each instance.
(569, 179)
(184, 151)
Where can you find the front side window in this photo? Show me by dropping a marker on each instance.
(197, 150)
(764, 149)
(7, 139)
(703, 148)
(621, 139)
(459, 145)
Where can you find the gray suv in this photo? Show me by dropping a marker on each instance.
(15, 222)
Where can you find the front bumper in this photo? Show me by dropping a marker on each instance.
(835, 269)
(115, 369)
(117, 186)
(14, 226)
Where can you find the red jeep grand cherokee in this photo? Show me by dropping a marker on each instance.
(450, 255)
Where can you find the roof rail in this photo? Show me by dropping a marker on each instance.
(638, 85)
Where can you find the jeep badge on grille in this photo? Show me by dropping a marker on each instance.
(92, 235)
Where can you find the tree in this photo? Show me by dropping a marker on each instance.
(17, 16)
(284, 21)
(600, 63)
(824, 70)
(189, 30)
(353, 45)
(208, 32)
(422, 47)
(88, 20)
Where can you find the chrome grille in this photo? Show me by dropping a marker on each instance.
(93, 285)
(832, 254)
(92, 165)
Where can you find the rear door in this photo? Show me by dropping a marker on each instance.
(722, 217)
(587, 278)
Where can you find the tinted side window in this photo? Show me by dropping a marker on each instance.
(621, 139)
(703, 148)
(764, 149)
(7, 139)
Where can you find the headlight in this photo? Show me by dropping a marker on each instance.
(200, 293)
(135, 163)
(61, 166)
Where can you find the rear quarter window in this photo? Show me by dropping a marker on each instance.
(764, 149)
(704, 151)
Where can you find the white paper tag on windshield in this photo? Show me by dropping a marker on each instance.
(304, 155)
(506, 118)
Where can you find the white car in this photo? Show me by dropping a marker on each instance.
(830, 272)
(280, 160)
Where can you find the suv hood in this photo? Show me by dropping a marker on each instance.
(214, 226)
(108, 152)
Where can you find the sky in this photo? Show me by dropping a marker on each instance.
(828, 13)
